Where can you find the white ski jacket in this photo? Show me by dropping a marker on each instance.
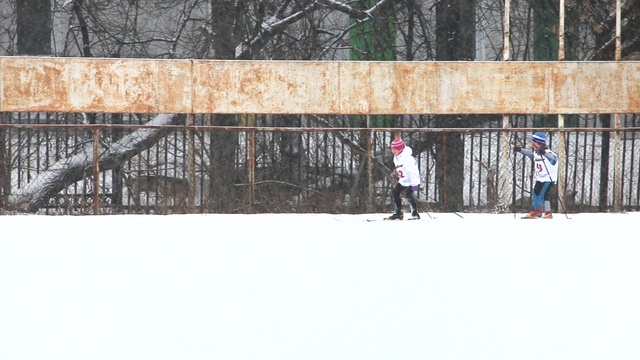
(407, 168)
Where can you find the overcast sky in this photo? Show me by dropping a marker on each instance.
(319, 287)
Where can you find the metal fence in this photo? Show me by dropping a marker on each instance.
(59, 163)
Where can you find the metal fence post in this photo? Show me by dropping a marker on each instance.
(191, 164)
(251, 166)
(96, 171)
(369, 205)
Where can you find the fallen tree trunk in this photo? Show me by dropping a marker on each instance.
(67, 171)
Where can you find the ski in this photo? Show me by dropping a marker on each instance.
(387, 219)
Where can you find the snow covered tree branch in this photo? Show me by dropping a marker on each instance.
(69, 170)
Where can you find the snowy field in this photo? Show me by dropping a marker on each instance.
(319, 287)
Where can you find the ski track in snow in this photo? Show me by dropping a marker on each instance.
(319, 286)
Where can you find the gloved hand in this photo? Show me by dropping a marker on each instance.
(517, 148)
(541, 151)
(415, 188)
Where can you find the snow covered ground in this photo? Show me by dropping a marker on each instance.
(318, 286)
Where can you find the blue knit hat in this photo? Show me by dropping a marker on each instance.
(539, 138)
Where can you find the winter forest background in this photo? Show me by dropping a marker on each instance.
(48, 169)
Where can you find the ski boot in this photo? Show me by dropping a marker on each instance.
(398, 215)
(533, 215)
(414, 212)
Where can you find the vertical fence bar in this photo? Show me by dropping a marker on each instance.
(96, 171)
(369, 205)
(4, 168)
(445, 157)
(369, 160)
(617, 172)
(191, 165)
(252, 168)
(561, 181)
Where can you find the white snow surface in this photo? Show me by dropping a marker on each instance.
(319, 286)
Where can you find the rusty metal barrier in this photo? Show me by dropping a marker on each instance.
(34, 84)
(53, 168)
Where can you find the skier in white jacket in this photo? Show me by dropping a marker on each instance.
(408, 179)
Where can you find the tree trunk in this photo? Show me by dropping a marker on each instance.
(545, 44)
(455, 40)
(74, 168)
(223, 143)
(33, 27)
(602, 38)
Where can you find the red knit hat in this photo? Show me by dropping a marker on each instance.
(397, 144)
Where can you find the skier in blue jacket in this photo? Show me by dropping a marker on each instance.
(546, 175)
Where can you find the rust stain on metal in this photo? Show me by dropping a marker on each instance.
(593, 88)
(305, 87)
(18, 78)
(400, 87)
(76, 85)
(428, 87)
(354, 84)
(489, 88)
(130, 84)
(174, 92)
(631, 86)
(250, 87)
